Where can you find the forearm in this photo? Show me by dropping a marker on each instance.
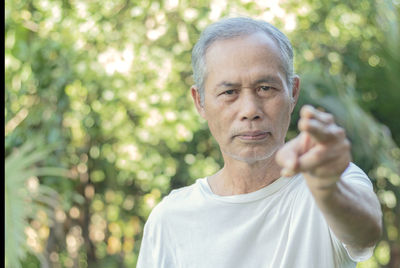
(353, 214)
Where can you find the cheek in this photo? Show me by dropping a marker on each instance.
(219, 125)
(215, 126)
(282, 114)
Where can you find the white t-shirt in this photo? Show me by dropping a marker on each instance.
(278, 226)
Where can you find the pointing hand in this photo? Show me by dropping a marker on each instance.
(321, 151)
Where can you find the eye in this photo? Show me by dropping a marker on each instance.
(229, 92)
(265, 88)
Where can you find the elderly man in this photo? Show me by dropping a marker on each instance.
(299, 204)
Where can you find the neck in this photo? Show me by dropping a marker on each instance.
(238, 177)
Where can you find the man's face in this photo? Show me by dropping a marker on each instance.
(247, 103)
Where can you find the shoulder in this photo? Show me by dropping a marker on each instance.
(175, 202)
(160, 229)
(356, 176)
(181, 197)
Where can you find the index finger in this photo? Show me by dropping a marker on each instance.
(321, 132)
(308, 111)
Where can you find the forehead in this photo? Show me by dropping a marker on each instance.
(250, 55)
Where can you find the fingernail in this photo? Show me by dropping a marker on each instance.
(287, 172)
(310, 107)
(306, 109)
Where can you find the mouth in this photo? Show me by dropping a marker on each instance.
(253, 135)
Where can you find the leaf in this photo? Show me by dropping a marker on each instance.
(20, 204)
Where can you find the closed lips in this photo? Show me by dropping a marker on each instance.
(253, 135)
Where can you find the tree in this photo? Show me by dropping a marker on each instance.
(110, 85)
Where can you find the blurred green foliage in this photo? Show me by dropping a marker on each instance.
(108, 82)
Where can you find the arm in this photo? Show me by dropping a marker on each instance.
(321, 153)
(352, 213)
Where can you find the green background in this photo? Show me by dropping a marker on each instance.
(100, 125)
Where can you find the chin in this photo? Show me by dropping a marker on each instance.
(252, 157)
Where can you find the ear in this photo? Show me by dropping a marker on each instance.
(197, 101)
(295, 91)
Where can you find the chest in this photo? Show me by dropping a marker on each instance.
(268, 233)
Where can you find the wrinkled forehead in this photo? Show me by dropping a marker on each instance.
(243, 52)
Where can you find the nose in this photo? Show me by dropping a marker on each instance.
(250, 107)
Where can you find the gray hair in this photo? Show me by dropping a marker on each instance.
(234, 27)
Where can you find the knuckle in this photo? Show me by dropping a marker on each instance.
(340, 133)
(329, 118)
(300, 123)
(346, 144)
(331, 130)
(321, 153)
(304, 124)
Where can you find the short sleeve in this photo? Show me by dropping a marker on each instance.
(155, 250)
(356, 176)
(146, 255)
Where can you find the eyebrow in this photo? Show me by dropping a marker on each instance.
(227, 84)
(265, 79)
(268, 79)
